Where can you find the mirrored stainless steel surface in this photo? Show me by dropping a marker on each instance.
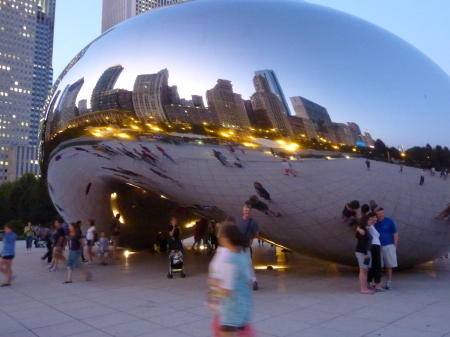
(232, 71)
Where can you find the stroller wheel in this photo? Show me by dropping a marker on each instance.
(169, 275)
(182, 275)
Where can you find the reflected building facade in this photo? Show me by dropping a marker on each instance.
(274, 86)
(270, 105)
(111, 153)
(228, 105)
(106, 82)
(150, 95)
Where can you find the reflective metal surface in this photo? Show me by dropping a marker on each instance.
(191, 68)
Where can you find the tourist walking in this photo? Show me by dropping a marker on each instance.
(91, 235)
(59, 241)
(287, 168)
(363, 255)
(250, 229)
(8, 252)
(75, 247)
(230, 276)
(164, 153)
(389, 242)
(29, 232)
(368, 164)
(422, 177)
(401, 168)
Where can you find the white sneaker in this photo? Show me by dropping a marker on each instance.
(54, 269)
(388, 285)
(89, 262)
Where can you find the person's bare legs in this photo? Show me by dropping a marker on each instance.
(5, 268)
(89, 249)
(69, 275)
(363, 281)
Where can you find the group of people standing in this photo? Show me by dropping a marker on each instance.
(377, 241)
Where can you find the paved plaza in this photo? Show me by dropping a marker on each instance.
(300, 296)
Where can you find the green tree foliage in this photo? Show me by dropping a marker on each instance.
(427, 157)
(26, 199)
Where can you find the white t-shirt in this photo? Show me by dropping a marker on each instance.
(216, 264)
(286, 165)
(90, 233)
(375, 235)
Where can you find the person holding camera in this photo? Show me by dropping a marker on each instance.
(363, 254)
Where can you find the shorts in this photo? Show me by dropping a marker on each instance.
(74, 259)
(9, 257)
(388, 256)
(229, 328)
(90, 243)
(360, 258)
(115, 240)
(57, 252)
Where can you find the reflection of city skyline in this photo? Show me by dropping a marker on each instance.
(154, 100)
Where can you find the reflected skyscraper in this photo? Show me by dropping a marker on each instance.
(274, 86)
(106, 82)
(305, 108)
(150, 94)
(228, 105)
(116, 11)
(270, 104)
(356, 131)
(69, 108)
(26, 74)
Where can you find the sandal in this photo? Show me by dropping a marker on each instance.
(5, 285)
(367, 292)
(67, 282)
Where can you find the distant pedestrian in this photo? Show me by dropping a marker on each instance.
(368, 164)
(91, 236)
(75, 247)
(422, 177)
(401, 168)
(432, 171)
(59, 241)
(8, 252)
(164, 153)
(103, 245)
(114, 233)
(273, 152)
(28, 231)
(287, 168)
(242, 149)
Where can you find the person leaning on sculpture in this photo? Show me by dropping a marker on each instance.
(389, 243)
(445, 213)
(349, 212)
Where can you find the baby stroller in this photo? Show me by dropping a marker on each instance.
(176, 263)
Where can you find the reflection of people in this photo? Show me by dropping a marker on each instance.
(114, 233)
(164, 153)
(445, 213)
(349, 212)
(260, 206)
(262, 192)
(8, 252)
(287, 168)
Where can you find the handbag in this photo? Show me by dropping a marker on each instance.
(247, 331)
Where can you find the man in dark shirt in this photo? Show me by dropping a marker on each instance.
(59, 238)
(250, 229)
(114, 233)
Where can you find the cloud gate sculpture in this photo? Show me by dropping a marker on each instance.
(135, 121)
